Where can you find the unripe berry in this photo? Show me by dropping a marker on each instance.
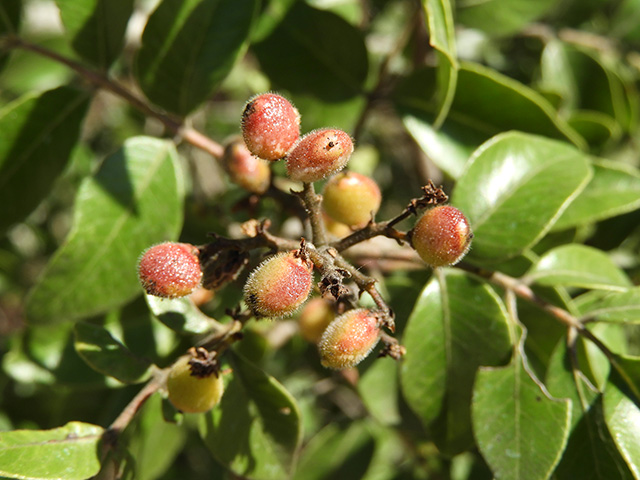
(351, 198)
(349, 339)
(442, 236)
(279, 285)
(246, 170)
(170, 270)
(318, 154)
(191, 393)
(270, 126)
(314, 318)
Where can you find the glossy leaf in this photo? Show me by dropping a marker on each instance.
(616, 307)
(442, 38)
(315, 52)
(378, 389)
(96, 28)
(514, 188)
(454, 329)
(133, 201)
(628, 373)
(613, 190)
(578, 266)
(181, 315)
(107, 355)
(500, 17)
(595, 127)
(520, 430)
(70, 452)
(189, 47)
(255, 431)
(39, 133)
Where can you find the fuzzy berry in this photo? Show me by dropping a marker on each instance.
(170, 270)
(349, 339)
(270, 126)
(191, 393)
(351, 198)
(314, 318)
(442, 236)
(246, 170)
(279, 285)
(318, 154)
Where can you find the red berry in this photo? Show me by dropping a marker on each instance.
(170, 270)
(191, 393)
(318, 154)
(270, 126)
(442, 236)
(246, 170)
(279, 285)
(349, 339)
(314, 318)
(351, 198)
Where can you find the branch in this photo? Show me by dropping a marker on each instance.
(313, 206)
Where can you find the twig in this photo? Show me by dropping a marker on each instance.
(313, 206)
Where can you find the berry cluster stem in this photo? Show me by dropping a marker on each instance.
(313, 206)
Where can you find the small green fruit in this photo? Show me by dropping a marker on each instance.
(314, 318)
(170, 270)
(279, 285)
(442, 236)
(190, 393)
(351, 198)
(318, 154)
(349, 339)
(246, 170)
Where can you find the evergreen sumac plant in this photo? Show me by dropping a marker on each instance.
(200, 280)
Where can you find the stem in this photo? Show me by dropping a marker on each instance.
(313, 205)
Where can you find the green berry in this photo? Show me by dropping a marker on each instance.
(170, 270)
(442, 236)
(349, 339)
(270, 126)
(191, 393)
(351, 198)
(314, 318)
(246, 170)
(279, 285)
(318, 154)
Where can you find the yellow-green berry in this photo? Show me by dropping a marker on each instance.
(351, 198)
(191, 393)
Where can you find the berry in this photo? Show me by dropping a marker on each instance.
(318, 154)
(349, 339)
(170, 270)
(192, 393)
(246, 170)
(314, 318)
(270, 126)
(351, 198)
(279, 285)
(442, 236)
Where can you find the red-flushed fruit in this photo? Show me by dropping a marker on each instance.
(349, 339)
(351, 198)
(270, 126)
(279, 285)
(170, 270)
(314, 318)
(191, 393)
(246, 170)
(442, 236)
(318, 154)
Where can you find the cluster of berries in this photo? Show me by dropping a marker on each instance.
(282, 283)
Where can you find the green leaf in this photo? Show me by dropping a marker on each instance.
(500, 17)
(133, 201)
(70, 452)
(10, 15)
(622, 416)
(442, 37)
(96, 28)
(514, 188)
(613, 190)
(256, 430)
(577, 265)
(628, 371)
(378, 389)
(520, 429)
(39, 133)
(315, 52)
(615, 307)
(181, 315)
(189, 47)
(595, 127)
(107, 355)
(454, 329)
